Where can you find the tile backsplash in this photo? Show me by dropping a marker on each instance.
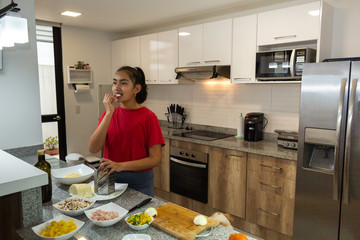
(220, 104)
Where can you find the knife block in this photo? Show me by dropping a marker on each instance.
(175, 120)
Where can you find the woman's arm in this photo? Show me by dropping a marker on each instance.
(153, 160)
(98, 138)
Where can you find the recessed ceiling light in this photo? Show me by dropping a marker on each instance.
(71, 14)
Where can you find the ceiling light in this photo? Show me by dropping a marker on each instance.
(184, 34)
(314, 13)
(71, 14)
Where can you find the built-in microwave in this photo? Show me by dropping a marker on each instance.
(283, 64)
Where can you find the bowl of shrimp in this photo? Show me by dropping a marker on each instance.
(106, 215)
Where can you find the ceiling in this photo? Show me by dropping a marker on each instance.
(126, 16)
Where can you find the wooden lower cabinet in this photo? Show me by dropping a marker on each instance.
(227, 181)
(162, 172)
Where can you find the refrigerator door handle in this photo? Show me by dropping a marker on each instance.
(292, 57)
(337, 141)
(348, 140)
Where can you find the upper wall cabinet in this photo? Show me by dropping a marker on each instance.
(117, 55)
(205, 44)
(291, 24)
(168, 57)
(149, 57)
(125, 52)
(244, 49)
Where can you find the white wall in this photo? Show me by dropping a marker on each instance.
(20, 121)
(92, 47)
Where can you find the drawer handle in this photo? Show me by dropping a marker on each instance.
(190, 63)
(275, 168)
(272, 213)
(282, 37)
(232, 155)
(269, 185)
(242, 79)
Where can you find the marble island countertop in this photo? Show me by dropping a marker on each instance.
(266, 147)
(127, 200)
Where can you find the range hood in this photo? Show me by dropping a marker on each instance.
(202, 73)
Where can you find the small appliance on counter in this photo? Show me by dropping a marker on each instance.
(254, 126)
(287, 139)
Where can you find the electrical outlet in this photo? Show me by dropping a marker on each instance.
(77, 109)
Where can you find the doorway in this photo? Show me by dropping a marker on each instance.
(49, 47)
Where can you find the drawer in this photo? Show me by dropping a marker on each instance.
(273, 166)
(270, 211)
(274, 185)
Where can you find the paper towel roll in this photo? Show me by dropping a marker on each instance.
(240, 127)
(81, 88)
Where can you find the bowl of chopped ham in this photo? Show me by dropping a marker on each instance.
(106, 215)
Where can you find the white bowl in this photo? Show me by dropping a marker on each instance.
(138, 227)
(39, 228)
(74, 212)
(85, 172)
(136, 237)
(107, 208)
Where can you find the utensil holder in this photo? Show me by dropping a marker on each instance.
(103, 185)
(175, 120)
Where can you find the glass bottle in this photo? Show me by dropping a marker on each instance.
(46, 190)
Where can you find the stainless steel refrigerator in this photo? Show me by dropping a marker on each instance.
(327, 200)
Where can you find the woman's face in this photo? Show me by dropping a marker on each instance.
(123, 88)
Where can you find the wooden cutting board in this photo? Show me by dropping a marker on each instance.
(178, 221)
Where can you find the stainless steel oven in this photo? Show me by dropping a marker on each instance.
(189, 173)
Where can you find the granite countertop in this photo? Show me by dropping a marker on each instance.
(19, 175)
(127, 200)
(267, 147)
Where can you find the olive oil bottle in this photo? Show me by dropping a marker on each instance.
(46, 190)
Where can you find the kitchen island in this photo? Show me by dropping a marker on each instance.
(91, 231)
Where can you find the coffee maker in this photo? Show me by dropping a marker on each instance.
(254, 124)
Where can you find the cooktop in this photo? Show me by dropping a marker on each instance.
(203, 135)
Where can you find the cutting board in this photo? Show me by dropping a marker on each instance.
(178, 221)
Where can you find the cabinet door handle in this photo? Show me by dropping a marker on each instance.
(283, 37)
(272, 213)
(190, 63)
(269, 185)
(232, 155)
(275, 168)
(210, 61)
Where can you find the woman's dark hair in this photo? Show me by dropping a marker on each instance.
(137, 76)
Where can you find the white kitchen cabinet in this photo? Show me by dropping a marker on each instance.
(291, 24)
(167, 50)
(244, 49)
(117, 55)
(132, 51)
(205, 44)
(190, 45)
(149, 57)
(217, 42)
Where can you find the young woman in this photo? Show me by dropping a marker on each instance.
(130, 134)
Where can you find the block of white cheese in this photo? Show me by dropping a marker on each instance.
(83, 190)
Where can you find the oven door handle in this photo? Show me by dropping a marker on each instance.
(188, 163)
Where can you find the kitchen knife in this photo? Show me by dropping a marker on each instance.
(141, 204)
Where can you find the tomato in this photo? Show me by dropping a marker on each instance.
(238, 236)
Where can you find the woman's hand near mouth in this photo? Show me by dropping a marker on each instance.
(109, 103)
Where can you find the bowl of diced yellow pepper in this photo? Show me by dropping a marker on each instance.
(60, 228)
(139, 221)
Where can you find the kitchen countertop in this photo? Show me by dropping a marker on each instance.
(267, 147)
(127, 200)
(19, 175)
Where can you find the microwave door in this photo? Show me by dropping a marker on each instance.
(273, 64)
